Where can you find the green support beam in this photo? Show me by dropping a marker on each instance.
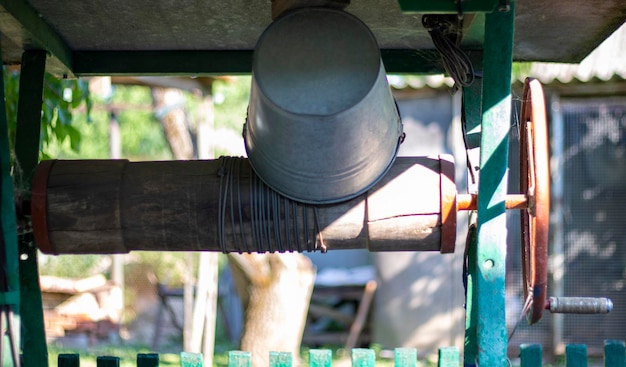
(488, 296)
(27, 135)
(472, 105)
(447, 6)
(195, 63)
(10, 290)
(470, 352)
(28, 131)
(28, 27)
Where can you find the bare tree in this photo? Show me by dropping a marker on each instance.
(275, 290)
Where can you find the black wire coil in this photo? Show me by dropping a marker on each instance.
(272, 219)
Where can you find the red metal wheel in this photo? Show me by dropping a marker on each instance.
(535, 183)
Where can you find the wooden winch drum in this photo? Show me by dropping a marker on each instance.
(117, 206)
(322, 124)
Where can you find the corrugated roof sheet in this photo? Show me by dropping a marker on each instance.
(420, 81)
(606, 62)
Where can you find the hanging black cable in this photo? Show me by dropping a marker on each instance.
(446, 32)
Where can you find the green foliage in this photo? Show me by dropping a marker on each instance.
(520, 71)
(231, 98)
(60, 99)
(141, 133)
(231, 102)
(70, 266)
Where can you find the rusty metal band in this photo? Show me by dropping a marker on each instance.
(39, 207)
(448, 204)
(535, 180)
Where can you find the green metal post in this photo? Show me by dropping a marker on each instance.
(320, 358)
(405, 357)
(614, 353)
(27, 135)
(530, 355)
(489, 283)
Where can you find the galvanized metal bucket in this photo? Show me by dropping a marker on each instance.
(322, 124)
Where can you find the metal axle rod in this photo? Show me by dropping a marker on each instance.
(469, 201)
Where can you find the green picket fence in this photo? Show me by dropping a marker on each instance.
(530, 356)
(576, 354)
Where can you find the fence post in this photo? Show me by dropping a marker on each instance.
(614, 353)
(320, 358)
(68, 360)
(362, 357)
(190, 359)
(531, 355)
(405, 357)
(237, 358)
(147, 360)
(280, 359)
(576, 355)
(448, 357)
(106, 361)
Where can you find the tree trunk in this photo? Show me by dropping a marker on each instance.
(169, 106)
(275, 290)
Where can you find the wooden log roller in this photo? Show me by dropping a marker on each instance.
(116, 206)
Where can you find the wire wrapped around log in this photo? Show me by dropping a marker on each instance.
(117, 206)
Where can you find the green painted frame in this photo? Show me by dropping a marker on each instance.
(10, 298)
(27, 135)
(448, 7)
(488, 104)
(489, 262)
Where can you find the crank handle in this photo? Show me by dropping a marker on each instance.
(579, 305)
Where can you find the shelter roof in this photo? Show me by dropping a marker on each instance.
(91, 37)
